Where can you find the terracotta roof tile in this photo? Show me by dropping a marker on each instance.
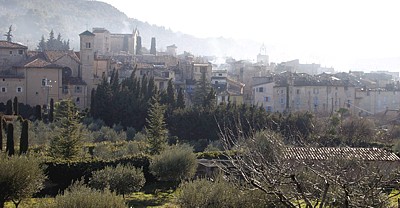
(53, 56)
(11, 45)
(41, 63)
(325, 153)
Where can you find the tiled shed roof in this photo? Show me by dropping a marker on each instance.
(325, 153)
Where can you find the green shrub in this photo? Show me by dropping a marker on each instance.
(79, 195)
(175, 163)
(123, 179)
(219, 194)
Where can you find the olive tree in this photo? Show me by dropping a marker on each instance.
(123, 179)
(79, 195)
(175, 163)
(20, 178)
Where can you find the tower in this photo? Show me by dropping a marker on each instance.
(262, 57)
(87, 61)
(153, 46)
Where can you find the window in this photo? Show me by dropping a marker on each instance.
(220, 75)
(44, 82)
(20, 52)
(315, 91)
(78, 100)
(298, 91)
(161, 85)
(266, 99)
(19, 89)
(65, 89)
(281, 91)
(282, 101)
(269, 108)
(10, 52)
(87, 45)
(3, 89)
(78, 89)
(261, 89)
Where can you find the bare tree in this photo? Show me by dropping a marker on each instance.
(297, 178)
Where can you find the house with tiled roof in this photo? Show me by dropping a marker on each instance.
(36, 77)
(11, 53)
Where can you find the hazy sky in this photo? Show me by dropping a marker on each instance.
(336, 32)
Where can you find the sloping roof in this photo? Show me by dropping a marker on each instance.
(326, 153)
(73, 81)
(88, 33)
(53, 56)
(40, 63)
(11, 45)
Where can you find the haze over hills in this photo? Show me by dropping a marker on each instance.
(31, 19)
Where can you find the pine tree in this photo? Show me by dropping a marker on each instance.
(66, 144)
(50, 42)
(10, 139)
(8, 34)
(180, 101)
(24, 143)
(42, 44)
(9, 107)
(156, 127)
(15, 106)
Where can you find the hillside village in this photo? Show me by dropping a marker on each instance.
(35, 77)
(284, 134)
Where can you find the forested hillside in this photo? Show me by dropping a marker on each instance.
(32, 18)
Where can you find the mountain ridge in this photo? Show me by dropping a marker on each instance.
(31, 19)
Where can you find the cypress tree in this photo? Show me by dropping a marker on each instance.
(38, 112)
(9, 106)
(51, 112)
(24, 143)
(10, 140)
(180, 102)
(151, 89)
(114, 81)
(93, 103)
(1, 133)
(156, 127)
(171, 94)
(15, 106)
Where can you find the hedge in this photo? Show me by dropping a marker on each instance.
(62, 173)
